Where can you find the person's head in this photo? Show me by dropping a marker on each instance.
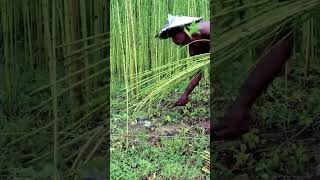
(174, 29)
(178, 36)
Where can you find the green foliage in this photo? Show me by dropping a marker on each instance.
(94, 168)
(252, 138)
(166, 157)
(286, 113)
(193, 29)
(42, 74)
(298, 158)
(163, 161)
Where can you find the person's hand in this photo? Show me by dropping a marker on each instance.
(234, 123)
(183, 100)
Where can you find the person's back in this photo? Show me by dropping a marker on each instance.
(200, 42)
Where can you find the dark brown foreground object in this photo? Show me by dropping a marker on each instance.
(315, 177)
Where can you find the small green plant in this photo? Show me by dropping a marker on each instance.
(251, 138)
(299, 158)
(241, 156)
(169, 119)
(193, 28)
(187, 109)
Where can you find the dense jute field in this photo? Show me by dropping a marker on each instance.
(151, 139)
(53, 88)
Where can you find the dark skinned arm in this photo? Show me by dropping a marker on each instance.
(237, 117)
(183, 100)
(265, 72)
(193, 83)
(195, 49)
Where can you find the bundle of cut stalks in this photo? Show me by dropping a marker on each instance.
(206, 157)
